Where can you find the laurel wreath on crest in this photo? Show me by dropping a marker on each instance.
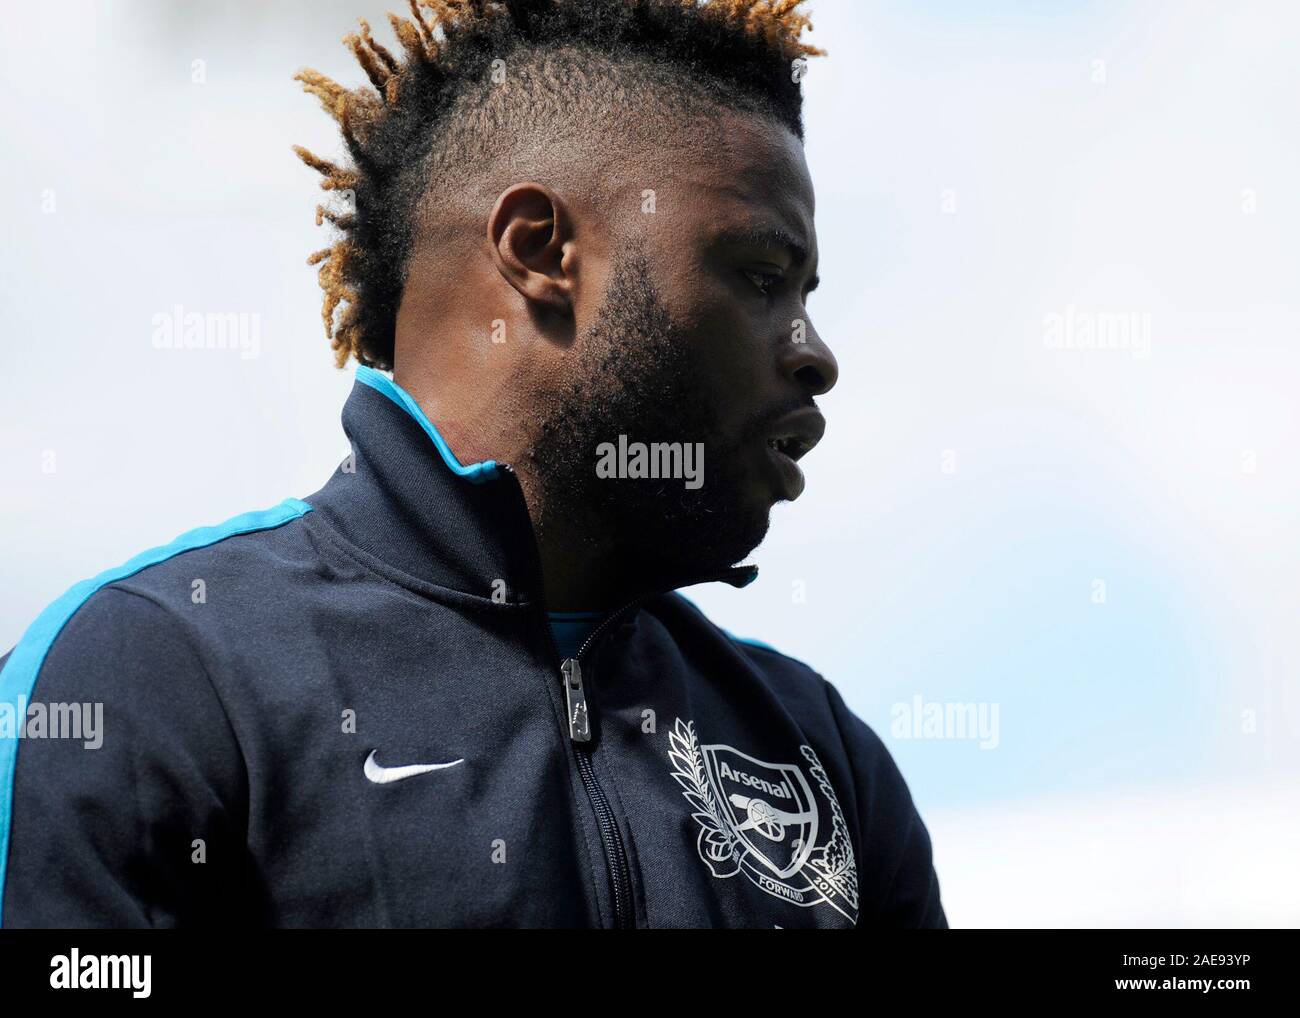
(835, 860)
(717, 844)
(722, 849)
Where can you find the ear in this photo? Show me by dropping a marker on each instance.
(531, 234)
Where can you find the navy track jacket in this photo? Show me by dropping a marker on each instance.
(349, 710)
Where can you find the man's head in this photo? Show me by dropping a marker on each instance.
(571, 225)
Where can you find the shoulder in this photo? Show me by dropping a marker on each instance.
(812, 698)
(750, 646)
(134, 610)
(790, 678)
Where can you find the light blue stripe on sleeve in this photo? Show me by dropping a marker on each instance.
(21, 670)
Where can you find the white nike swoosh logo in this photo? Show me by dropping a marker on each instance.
(382, 775)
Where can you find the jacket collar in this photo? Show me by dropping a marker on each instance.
(404, 498)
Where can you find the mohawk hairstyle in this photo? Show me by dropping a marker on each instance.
(438, 114)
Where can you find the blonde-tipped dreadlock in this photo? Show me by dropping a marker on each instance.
(737, 53)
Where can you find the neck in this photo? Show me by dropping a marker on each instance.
(578, 570)
(580, 573)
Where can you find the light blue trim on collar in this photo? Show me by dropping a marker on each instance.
(18, 679)
(475, 472)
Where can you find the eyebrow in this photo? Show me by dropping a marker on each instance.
(769, 235)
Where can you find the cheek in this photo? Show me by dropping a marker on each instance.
(726, 382)
(730, 357)
(738, 359)
(728, 333)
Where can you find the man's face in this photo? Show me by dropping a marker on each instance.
(702, 343)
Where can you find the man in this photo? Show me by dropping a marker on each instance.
(456, 687)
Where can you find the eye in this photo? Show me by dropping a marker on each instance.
(765, 281)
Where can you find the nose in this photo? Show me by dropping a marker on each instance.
(807, 361)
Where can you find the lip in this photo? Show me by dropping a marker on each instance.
(797, 433)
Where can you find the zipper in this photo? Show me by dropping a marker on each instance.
(579, 720)
(579, 728)
(579, 724)
(579, 715)
(575, 699)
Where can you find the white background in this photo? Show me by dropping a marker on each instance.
(978, 168)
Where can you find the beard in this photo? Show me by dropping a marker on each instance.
(638, 375)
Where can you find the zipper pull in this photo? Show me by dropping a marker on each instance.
(579, 723)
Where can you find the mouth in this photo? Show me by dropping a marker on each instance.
(790, 439)
(790, 445)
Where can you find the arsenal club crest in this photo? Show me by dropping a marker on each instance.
(764, 819)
